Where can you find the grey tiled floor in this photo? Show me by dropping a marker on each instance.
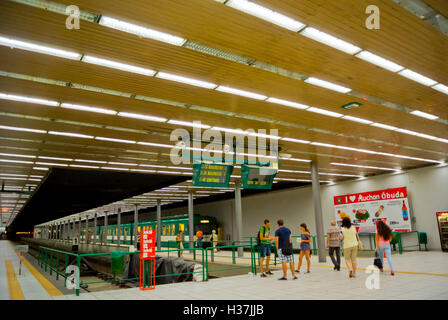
(322, 283)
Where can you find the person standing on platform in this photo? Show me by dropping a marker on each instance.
(334, 245)
(265, 247)
(383, 237)
(199, 236)
(214, 240)
(180, 242)
(350, 237)
(283, 243)
(305, 248)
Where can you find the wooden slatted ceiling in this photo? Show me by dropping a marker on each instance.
(401, 40)
(73, 71)
(45, 27)
(440, 6)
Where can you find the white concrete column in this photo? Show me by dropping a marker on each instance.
(159, 224)
(239, 216)
(190, 221)
(318, 213)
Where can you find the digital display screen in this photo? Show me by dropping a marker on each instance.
(253, 177)
(211, 175)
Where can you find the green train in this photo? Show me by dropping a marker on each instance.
(170, 228)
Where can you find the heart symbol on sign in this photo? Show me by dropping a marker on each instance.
(352, 198)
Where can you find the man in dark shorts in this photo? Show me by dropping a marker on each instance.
(265, 247)
(283, 240)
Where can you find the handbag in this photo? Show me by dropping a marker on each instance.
(360, 244)
(377, 261)
(287, 251)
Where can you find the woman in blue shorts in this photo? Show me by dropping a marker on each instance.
(305, 247)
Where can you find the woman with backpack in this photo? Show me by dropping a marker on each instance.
(383, 237)
(350, 237)
(305, 247)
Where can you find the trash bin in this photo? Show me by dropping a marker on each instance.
(117, 263)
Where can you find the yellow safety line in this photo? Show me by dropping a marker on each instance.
(47, 285)
(15, 292)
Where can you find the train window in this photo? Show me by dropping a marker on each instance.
(181, 227)
(150, 227)
(163, 230)
(173, 229)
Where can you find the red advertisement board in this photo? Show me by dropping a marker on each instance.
(147, 244)
(365, 209)
(147, 259)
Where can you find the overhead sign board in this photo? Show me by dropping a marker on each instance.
(211, 175)
(255, 177)
(367, 208)
(22, 248)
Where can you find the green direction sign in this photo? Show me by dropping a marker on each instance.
(255, 177)
(211, 175)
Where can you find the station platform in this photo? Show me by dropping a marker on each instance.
(418, 275)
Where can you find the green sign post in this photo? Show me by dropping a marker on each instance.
(211, 175)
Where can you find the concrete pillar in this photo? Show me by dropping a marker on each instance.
(239, 216)
(318, 212)
(95, 226)
(119, 227)
(190, 220)
(159, 224)
(79, 229)
(135, 225)
(87, 230)
(105, 228)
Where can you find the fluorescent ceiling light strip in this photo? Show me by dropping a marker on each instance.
(53, 158)
(141, 31)
(296, 140)
(92, 161)
(424, 115)
(355, 119)
(330, 40)
(40, 168)
(122, 164)
(379, 61)
(22, 129)
(13, 97)
(115, 140)
(52, 164)
(70, 134)
(417, 77)
(195, 124)
(262, 135)
(13, 175)
(17, 155)
(360, 166)
(442, 88)
(243, 93)
(155, 144)
(170, 172)
(383, 126)
(327, 85)
(412, 133)
(295, 159)
(190, 81)
(83, 166)
(87, 108)
(111, 168)
(152, 166)
(288, 103)
(325, 112)
(141, 116)
(12, 43)
(266, 14)
(118, 65)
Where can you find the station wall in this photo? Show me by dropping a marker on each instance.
(427, 192)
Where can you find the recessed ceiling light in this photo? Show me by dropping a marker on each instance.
(28, 99)
(417, 77)
(141, 31)
(288, 103)
(193, 82)
(22, 129)
(92, 161)
(195, 124)
(70, 134)
(12, 43)
(152, 144)
(296, 140)
(111, 168)
(141, 116)
(442, 88)
(325, 112)
(330, 40)
(83, 166)
(243, 93)
(17, 155)
(115, 140)
(424, 115)
(327, 85)
(379, 61)
(52, 164)
(360, 120)
(122, 163)
(266, 14)
(53, 158)
(118, 65)
(87, 108)
(383, 126)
